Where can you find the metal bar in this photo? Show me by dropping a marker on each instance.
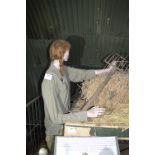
(36, 112)
(122, 64)
(39, 105)
(33, 113)
(37, 134)
(39, 118)
(30, 102)
(32, 129)
(34, 124)
(33, 141)
(30, 149)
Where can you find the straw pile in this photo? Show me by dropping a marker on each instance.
(114, 98)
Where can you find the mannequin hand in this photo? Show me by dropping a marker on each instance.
(108, 70)
(95, 112)
(112, 65)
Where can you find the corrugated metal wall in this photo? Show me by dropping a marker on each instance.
(36, 63)
(94, 28)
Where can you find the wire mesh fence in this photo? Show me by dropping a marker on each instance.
(34, 125)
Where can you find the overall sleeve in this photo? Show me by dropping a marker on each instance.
(79, 75)
(52, 103)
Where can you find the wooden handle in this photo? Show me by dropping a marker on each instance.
(90, 102)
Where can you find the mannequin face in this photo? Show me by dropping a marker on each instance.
(66, 56)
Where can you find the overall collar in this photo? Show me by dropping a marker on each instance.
(55, 70)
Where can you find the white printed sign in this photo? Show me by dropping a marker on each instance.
(86, 146)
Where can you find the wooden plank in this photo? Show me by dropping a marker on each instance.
(86, 129)
(76, 131)
(83, 124)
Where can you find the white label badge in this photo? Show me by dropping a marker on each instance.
(48, 76)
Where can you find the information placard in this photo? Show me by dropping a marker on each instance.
(86, 146)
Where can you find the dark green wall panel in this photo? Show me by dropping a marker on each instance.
(37, 62)
(93, 27)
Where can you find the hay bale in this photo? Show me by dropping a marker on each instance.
(114, 97)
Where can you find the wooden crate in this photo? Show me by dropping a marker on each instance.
(86, 129)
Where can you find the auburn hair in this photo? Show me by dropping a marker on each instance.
(57, 50)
